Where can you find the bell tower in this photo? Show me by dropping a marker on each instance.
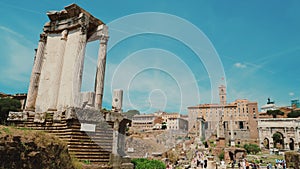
(222, 94)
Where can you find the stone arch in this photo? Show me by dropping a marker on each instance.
(292, 144)
(266, 143)
(278, 140)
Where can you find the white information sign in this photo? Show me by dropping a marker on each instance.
(88, 127)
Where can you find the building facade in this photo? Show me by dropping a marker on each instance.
(287, 128)
(237, 119)
(174, 123)
(143, 121)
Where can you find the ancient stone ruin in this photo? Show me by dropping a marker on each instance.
(54, 101)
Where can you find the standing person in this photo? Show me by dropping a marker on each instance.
(247, 164)
(205, 163)
(244, 164)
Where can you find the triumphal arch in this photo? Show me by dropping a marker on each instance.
(55, 102)
(280, 133)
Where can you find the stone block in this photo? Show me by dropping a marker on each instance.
(127, 166)
(40, 117)
(17, 116)
(57, 116)
(70, 113)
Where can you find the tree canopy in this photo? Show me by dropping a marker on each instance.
(294, 114)
(277, 138)
(274, 113)
(252, 148)
(131, 113)
(7, 105)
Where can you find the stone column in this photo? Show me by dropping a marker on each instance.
(218, 130)
(117, 100)
(232, 143)
(35, 74)
(260, 138)
(58, 70)
(200, 128)
(115, 138)
(100, 71)
(296, 142)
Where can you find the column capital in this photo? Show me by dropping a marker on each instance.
(43, 37)
(103, 39)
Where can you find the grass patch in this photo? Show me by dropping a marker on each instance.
(6, 130)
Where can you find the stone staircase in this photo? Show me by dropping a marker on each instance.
(89, 147)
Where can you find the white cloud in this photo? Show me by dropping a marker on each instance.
(240, 65)
(291, 93)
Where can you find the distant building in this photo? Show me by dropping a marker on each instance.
(269, 106)
(143, 121)
(242, 112)
(165, 116)
(175, 123)
(295, 103)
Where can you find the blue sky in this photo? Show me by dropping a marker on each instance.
(257, 44)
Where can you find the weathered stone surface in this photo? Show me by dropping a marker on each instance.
(40, 117)
(17, 116)
(117, 100)
(57, 116)
(57, 74)
(70, 113)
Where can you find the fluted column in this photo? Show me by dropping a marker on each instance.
(35, 74)
(100, 71)
(58, 70)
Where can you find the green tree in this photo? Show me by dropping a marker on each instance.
(142, 163)
(252, 148)
(130, 113)
(277, 138)
(7, 105)
(294, 114)
(221, 155)
(274, 113)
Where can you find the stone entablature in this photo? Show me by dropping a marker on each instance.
(289, 128)
(71, 18)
